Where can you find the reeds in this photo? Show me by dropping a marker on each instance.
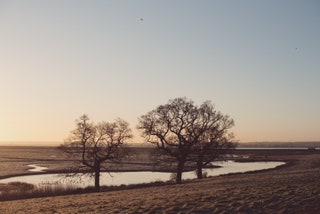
(21, 190)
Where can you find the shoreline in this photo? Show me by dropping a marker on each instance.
(292, 188)
(188, 169)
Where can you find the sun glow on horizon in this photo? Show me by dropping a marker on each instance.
(257, 62)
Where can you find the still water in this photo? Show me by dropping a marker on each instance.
(36, 168)
(119, 178)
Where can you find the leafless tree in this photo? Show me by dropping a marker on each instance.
(214, 139)
(167, 127)
(185, 133)
(92, 145)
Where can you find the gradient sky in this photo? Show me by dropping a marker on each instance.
(257, 61)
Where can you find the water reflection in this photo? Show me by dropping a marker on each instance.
(119, 178)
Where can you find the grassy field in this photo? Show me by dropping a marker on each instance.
(294, 188)
(14, 160)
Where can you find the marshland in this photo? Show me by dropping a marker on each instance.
(290, 188)
(159, 106)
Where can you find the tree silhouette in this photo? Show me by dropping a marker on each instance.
(214, 140)
(185, 133)
(92, 145)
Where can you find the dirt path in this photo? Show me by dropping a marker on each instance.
(293, 189)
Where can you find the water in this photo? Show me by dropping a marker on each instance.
(119, 178)
(36, 168)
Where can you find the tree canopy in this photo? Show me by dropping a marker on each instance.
(92, 145)
(184, 132)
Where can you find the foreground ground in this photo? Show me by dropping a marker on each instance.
(294, 188)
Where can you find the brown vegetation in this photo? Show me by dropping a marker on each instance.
(291, 189)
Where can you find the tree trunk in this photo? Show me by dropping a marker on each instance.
(199, 169)
(179, 172)
(97, 178)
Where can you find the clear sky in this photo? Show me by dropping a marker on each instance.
(257, 61)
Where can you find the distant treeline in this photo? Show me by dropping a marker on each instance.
(280, 144)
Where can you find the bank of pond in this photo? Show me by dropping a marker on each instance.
(83, 180)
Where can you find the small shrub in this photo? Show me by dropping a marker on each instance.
(205, 174)
(20, 186)
(173, 176)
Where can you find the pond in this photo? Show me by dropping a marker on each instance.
(119, 178)
(36, 168)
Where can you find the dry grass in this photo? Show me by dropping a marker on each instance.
(291, 189)
(14, 160)
(20, 190)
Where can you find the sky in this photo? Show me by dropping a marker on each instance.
(257, 61)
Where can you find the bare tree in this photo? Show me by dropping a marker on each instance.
(185, 133)
(214, 139)
(168, 127)
(92, 145)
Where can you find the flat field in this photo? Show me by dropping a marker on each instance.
(294, 188)
(14, 160)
